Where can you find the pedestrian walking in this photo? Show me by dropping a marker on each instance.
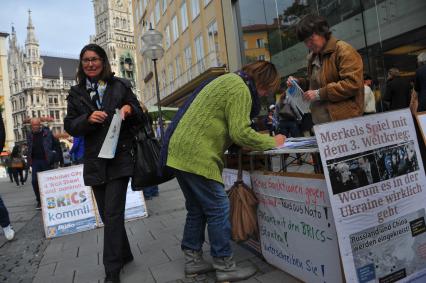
(217, 114)
(18, 165)
(9, 233)
(398, 91)
(40, 153)
(288, 116)
(77, 150)
(369, 98)
(91, 106)
(420, 83)
(334, 85)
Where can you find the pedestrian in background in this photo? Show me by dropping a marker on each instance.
(420, 83)
(216, 115)
(91, 106)
(369, 98)
(59, 158)
(398, 91)
(9, 233)
(40, 153)
(334, 85)
(77, 150)
(288, 116)
(270, 120)
(18, 165)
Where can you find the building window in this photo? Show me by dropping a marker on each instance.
(171, 76)
(151, 20)
(157, 11)
(167, 36)
(187, 57)
(178, 67)
(212, 37)
(245, 44)
(199, 51)
(164, 6)
(175, 28)
(261, 57)
(141, 7)
(183, 16)
(260, 43)
(195, 8)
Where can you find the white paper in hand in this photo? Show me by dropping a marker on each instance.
(111, 139)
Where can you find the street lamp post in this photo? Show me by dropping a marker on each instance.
(153, 50)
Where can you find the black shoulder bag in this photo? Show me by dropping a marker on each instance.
(146, 147)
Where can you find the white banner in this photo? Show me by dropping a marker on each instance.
(376, 183)
(135, 204)
(296, 226)
(67, 205)
(229, 177)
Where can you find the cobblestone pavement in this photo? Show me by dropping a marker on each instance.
(155, 242)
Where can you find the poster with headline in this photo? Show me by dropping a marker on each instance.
(67, 204)
(376, 183)
(296, 226)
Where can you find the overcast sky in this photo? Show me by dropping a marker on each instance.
(62, 27)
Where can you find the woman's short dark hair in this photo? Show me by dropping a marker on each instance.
(311, 24)
(106, 73)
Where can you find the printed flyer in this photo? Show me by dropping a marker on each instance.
(376, 183)
(67, 204)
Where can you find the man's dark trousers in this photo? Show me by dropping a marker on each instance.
(38, 166)
(4, 215)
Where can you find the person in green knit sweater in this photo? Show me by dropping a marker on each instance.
(215, 117)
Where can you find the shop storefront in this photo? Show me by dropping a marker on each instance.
(387, 34)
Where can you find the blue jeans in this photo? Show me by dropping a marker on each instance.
(4, 215)
(206, 202)
(38, 166)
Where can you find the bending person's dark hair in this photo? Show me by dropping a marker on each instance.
(106, 73)
(311, 24)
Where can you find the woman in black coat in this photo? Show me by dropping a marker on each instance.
(91, 106)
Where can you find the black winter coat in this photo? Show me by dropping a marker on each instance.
(96, 170)
(397, 93)
(2, 133)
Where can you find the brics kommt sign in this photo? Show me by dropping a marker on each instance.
(67, 204)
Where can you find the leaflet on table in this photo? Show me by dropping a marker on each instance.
(299, 143)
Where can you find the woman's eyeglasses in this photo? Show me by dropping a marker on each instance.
(93, 60)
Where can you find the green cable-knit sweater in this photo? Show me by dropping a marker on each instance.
(218, 116)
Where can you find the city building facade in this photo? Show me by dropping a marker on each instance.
(38, 84)
(114, 33)
(6, 108)
(193, 41)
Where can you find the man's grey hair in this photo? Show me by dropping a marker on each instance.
(421, 58)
